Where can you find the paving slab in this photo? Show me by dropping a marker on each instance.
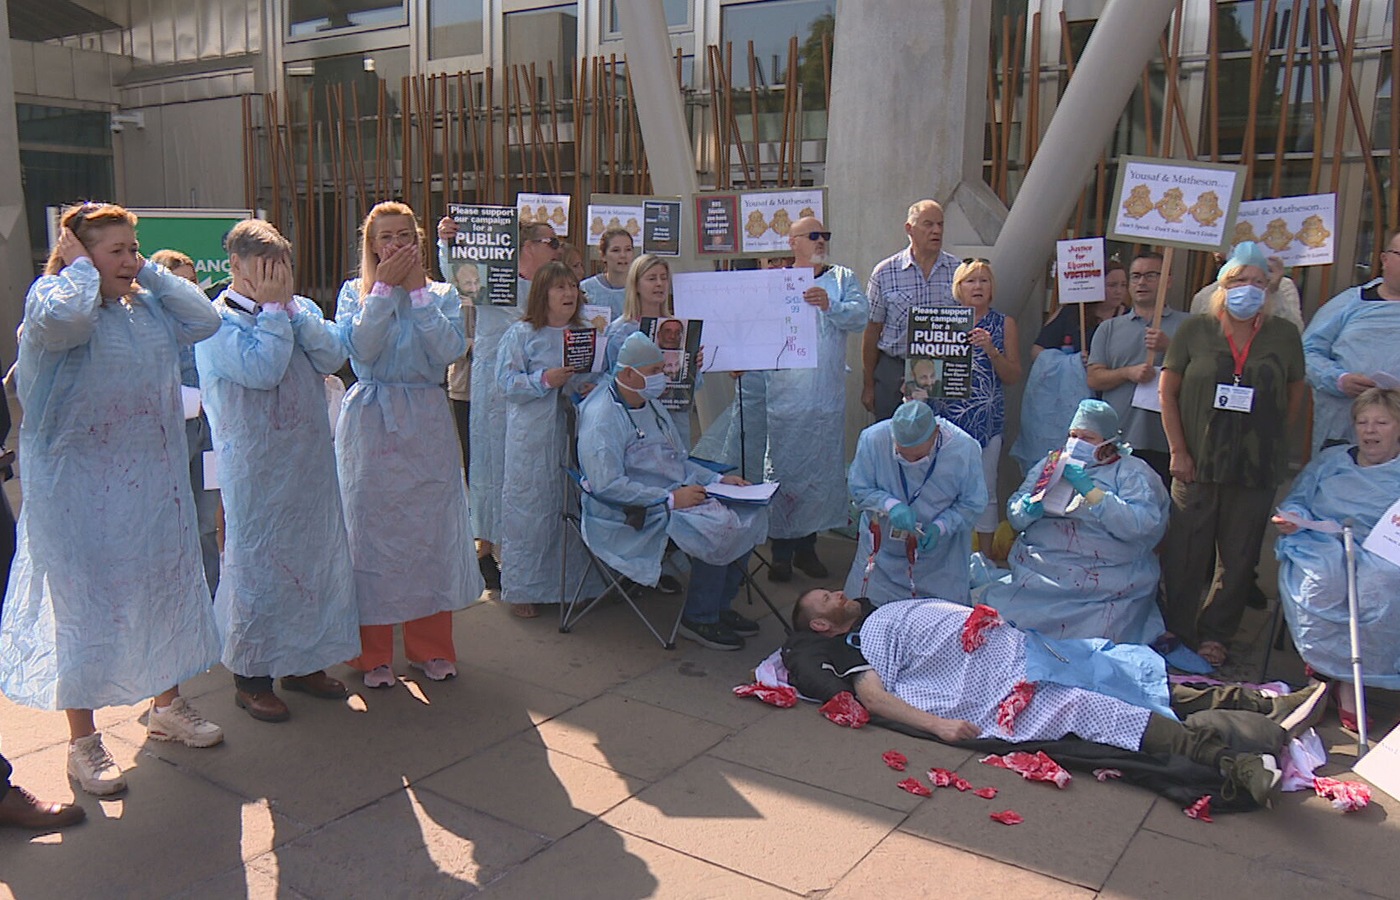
(1302, 833)
(336, 756)
(630, 736)
(526, 784)
(909, 867)
(1074, 835)
(248, 882)
(1164, 868)
(598, 863)
(170, 829)
(802, 745)
(699, 682)
(749, 821)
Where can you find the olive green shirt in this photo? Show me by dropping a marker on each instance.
(1242, 449)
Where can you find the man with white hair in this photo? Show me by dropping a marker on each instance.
(917, 277)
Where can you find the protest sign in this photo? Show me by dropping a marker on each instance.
(544, 209)
(1384, 539)
(486, 240)
(717, 224)
(754, 319)
(614, 211)
(1079, 270)
(767, 216)
(679, 340)
(197, 233)
(938, 365)
(583, 349)
(661, 227)
(1175, 203)
(1300, 231)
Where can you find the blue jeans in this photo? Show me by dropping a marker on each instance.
(712, 589)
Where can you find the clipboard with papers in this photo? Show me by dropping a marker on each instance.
(748, 494)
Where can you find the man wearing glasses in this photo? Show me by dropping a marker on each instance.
(919, 276)
(1126, 352)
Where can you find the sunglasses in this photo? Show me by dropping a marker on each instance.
(817, 235)
(553, 242)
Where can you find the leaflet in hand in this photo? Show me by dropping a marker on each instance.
(583, 349)
(1325, 526)
(743, 493)
(1145, 396)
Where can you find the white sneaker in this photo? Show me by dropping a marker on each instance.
(380, 677)
(180, 722)
(93, 768)
(438, 669)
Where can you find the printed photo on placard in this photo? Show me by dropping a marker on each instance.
(482, 257)
(679, 340)
(938, 365)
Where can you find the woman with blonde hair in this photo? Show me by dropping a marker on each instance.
(397, 453)
(1231, 385)
(996, 361)
(107, 602)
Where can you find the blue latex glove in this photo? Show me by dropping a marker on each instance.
(929, 540)
(1031, 509)
(1079, 479)
(902, 517)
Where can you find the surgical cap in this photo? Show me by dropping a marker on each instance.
(637, 351)
(912, 423)
(1096, 416)
(1246, 253)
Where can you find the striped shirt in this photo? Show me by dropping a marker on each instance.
(898, 285)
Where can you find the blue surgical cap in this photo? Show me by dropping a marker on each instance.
(1246, 253)
(912, 423)
(637, 351)
(1096, 416)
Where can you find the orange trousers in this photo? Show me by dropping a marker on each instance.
(423, 639)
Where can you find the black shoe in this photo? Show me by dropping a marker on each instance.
(490, 572)
(714, 635)
(780, 570)
(807, 561)
(737, 623)
(668, 585)
(1255, 774)
(1257, 599)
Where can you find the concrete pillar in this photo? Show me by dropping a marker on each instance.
(16, 266)
(1122, 42)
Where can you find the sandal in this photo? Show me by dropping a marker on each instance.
(524, 610)
(1213, 652)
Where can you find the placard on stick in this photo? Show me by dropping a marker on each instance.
(1300, 231)
(1175, 203)
(1079, 270)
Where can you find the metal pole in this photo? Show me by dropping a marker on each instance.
(1354, 628)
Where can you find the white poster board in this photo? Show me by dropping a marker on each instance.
(1300, 231)
(766, 216)
(754, 320)
(1175, 203)
(549, 209)
(1384, 539)
(607, 214)
(1381, 764)
(1079, 270)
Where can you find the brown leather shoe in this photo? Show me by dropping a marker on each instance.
(20, 809)
(265, 706)
(317, 684)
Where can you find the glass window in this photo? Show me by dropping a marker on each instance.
(61, 125)
(541, 36)
(677, 15)
(454, 28)
(1380, 131)
(769, 24)
(306, 18)
(1234, 24)
(359, 75)
(55, 178)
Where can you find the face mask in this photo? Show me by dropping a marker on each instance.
(1081, 451)
(1245, 301)
(911, 463)
(655, 386)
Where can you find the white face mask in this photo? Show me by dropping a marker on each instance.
(1081, 451)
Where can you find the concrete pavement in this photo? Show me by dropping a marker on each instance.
(596, 764)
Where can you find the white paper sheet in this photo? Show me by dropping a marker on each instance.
(754, 319)
(751, 493)
(1381, 764)
(211, 471)
(1324, 526)
(1384, 539)
(189, 398)
(1145, 396)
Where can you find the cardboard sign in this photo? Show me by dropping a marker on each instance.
(767, 216)
(1079, 270)
(544, 209)
(1175, 203)
(614, 211)
(583, 349)
(487, 239)
(1300, 231)
(938, 364)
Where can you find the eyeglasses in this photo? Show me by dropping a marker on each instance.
(817, 235)
(1144, 276)
(1391, 252)
(552, 242)
(968, 260)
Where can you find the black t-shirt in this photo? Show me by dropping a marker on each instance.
(1063, 330)
(821, 666)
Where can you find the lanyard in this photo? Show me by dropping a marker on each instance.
(1241, 356)
(932, 459)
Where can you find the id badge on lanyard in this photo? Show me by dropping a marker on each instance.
(1236, 397)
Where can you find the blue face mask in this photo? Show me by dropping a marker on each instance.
(1245, 301)
(655, 386)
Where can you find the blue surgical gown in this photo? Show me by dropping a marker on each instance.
(634, 458)
(738, 436)
(1054, 388)
(807, 419)
(398, 458)
(1312, 580)
(536, 430)
(488, 438)
(107, 601)
(286, 601)
(1090, 573)
(599, 293)
(946, 497)
(620, 330)
(1347, 334)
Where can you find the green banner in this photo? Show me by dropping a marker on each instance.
(199, 233)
